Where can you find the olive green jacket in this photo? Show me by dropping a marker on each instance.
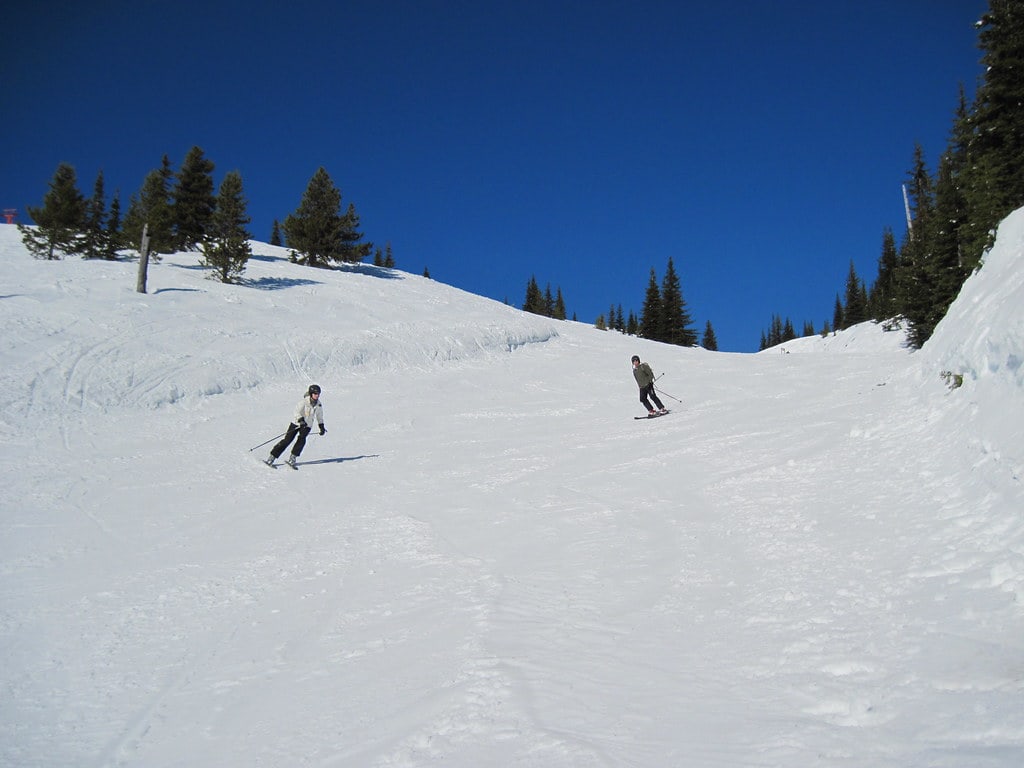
(644, 375)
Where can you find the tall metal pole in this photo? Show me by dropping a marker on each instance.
(906, 207)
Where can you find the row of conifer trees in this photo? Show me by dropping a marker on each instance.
(955, 210)
(179, 211)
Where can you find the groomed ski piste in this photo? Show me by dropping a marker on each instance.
(817, 560)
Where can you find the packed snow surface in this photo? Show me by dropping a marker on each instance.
(815, 559)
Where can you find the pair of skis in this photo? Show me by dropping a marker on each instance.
(654, 415)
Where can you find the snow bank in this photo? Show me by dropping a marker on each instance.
(78, 336)
(977, 351)
(981, 338)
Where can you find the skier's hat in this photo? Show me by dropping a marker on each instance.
(314, 389)
(635, 359)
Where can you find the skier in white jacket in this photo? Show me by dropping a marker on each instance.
(306, 412)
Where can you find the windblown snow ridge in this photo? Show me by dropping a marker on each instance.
(78, 336)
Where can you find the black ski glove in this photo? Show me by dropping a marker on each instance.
(323, 430)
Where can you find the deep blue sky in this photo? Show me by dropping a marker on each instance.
(759, 144)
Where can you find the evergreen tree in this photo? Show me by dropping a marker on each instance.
(915, 280)
(152, 206)
(352, 250)
(378, 258)
(194, 201)
(226, 244)
(389, 257)
(808, 329)
(650, 315)
(994, 171)
(882, 301)
(275, 234)
(946, 264)
(855, 310)
(675, 318)
(319, 231)
(534, 301)
(837, 315)
(633, 324)
(61, 219)
(114, 236)
(709, 341)
(559, 305)
(95, 233)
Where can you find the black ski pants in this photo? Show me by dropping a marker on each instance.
(293, 430)
(648, 392)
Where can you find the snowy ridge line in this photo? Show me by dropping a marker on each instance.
(99, 345)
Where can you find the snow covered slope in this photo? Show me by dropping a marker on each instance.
(816, 559)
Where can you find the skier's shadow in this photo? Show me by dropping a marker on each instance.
(339, 460)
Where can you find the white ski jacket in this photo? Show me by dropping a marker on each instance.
(309, 411)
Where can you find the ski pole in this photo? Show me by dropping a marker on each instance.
(267, 441)
(666, 394)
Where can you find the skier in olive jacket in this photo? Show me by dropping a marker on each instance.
(308, 410)
(645, 380)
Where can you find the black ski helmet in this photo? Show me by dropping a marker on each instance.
(314, 389)
(635, 359)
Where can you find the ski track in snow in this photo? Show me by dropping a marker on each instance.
(817, 559)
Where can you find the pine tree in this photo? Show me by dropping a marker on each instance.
(95, 234)
(855, 309)
(559, 305)
(633, 324)
(319, 231)
(152, 206)
(352, 250)
(61, 219)
(194, 201)
(226, 245)
(709, 341)
(389, 257)
(915, 280)
(882, 301)
(837, 315)
(114, 236)
(675, 318)
(275, 234)
(549, 301)
(650, 315)
(945, 264)
(534, 301)
(994, 171)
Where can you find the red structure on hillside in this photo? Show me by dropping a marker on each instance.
(9, 214)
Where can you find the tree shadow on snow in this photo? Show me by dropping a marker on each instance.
(176, 290)
(338, 460)
(278, 283)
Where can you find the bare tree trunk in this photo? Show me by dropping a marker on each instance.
(140, 286)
